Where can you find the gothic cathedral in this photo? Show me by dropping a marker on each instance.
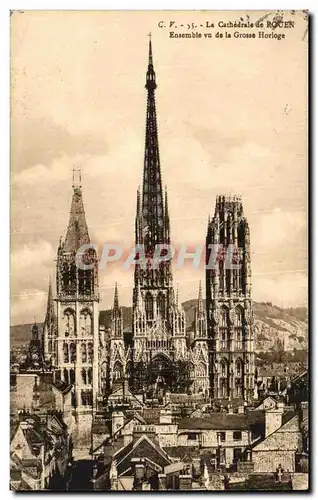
(215, 359)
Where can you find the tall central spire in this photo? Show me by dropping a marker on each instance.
(152, 198)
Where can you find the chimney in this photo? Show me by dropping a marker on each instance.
(185, 482)
(117, 421)
(273, 418)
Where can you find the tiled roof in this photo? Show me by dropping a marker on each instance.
(287, 416)
(175, 467)
(143, 448)
(220, 421)
(181, 451)
(300, 377)
(62, 386)
(185, 398)
(123, 452)
(151, 415)
(34, 439)
(255, 417)
(225, 402)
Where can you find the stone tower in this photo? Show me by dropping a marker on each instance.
(229, 302)
(77, 302)
(158, 319)
(50, 329)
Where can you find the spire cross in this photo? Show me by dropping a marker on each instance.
(77, 176)
(149, 34)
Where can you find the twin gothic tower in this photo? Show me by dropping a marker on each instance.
(216, 359)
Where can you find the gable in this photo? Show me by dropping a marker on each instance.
(55, 424)
(20, 446)
(291, 426)
(268, 402)
(287, 438)
(119, 393)
(144, 447)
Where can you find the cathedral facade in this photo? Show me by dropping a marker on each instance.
(160, 345)
(159, 354)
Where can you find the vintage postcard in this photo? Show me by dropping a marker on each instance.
(159, 285)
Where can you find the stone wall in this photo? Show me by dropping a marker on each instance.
(81, 432)
(22, 396)
(269, 461)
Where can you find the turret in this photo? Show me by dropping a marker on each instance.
(200, 318)
(117, 317)
(50, 327)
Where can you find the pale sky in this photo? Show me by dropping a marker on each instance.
(232, 118)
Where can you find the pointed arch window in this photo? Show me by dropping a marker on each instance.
(69, 278)
(179, 322)
(89, 375)
(65, 374)
(239, 368)
(200, 370)
(103, 375)
(239, 376)
(224, 368)
(161, 303)
(84, 353)
(141, 325)
(72, 376)
(73, 352)
(149, 306)
(85, 281)
(69, 323)
(84, 376)
(223, 388)
(224, 378)
(223, 317)
(117, 372)
(223, 327)
(85, 323)
(238, 319)
(66, 353)
(238, 325)
(90, 352)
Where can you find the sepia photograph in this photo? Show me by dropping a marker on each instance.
(159, 251)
